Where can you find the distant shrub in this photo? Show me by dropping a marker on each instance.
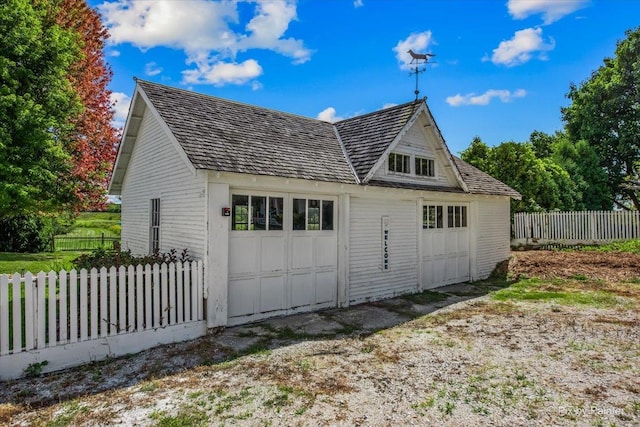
(26, 233)
(114, 208)
(115, 258)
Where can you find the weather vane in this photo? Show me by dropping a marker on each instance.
(419, 59)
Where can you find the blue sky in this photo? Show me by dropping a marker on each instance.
(501, 70)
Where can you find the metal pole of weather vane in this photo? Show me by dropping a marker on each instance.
(419, 59)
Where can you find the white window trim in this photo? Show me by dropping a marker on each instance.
(151, 226)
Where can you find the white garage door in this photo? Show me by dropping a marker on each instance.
(282, 254)
(445, 244)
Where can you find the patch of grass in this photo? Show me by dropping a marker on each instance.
(631, 246)
(426, 297)
(539, 290)
(423, 407)
(68, 415)
(45, 261)
(187, 416)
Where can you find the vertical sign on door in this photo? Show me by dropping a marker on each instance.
(385, 243)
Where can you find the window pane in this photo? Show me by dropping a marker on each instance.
(276, 213)
(314, 215)
(299, 214)
(392, 162)
(439, 216)
(464, 216)
(258, 213)
(425, 217)
(406, 167)
(450, 216)
(327, 215)
(240, 212)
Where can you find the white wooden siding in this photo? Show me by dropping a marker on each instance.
(420, 141)
(367, 281)
(157, 171)
(493, 234)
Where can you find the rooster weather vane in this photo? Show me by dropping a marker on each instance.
(418, 59)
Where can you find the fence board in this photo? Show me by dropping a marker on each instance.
(4, 314)
(17, 313)
(73, 306)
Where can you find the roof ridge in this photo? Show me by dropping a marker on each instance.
(417, 102)
(232, 101)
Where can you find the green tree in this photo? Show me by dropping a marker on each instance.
(605, 112)
(36, 101)
(476, 154)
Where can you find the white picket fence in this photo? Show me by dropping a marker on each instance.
(587, 227)
(70, 318)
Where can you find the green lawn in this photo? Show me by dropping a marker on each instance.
(19, 263)
(94, 224)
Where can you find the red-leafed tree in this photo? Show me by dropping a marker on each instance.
(94, 140)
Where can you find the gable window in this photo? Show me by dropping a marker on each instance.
(425, 167)
(256, 212)
(312, 214)
(432, 216)
(399, 163)
(154, 226)
(457, 216)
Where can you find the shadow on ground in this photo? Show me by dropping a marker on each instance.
(231, 343)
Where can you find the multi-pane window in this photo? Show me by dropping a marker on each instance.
(399, 163)
(312, 214)
(154, 226)
(457, 216)
(425, 167)
(256, 212)
(432, 216)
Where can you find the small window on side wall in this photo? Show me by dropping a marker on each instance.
(154, 226)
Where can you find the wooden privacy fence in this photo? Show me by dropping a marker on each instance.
(70, 318)
(585, 227)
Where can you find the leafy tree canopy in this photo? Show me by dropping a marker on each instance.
(36, 101)
(605, 112)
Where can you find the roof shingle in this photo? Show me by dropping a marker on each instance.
(228, 136)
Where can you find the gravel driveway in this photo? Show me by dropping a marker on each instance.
(558, 351)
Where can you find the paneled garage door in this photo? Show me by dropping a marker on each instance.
(445, 244)
(282, 254)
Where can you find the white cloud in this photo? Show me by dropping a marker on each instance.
(329, 115)
(222, 73)
(358, 3)
(521, 48)
(120, 106)
(152, 69)
(484, 99)
(389, 105)
(207, 31)
(113, 52)
(418, 42)
(551, 10)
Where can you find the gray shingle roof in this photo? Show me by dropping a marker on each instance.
(229, 136)
(366, 137)
(479, 182)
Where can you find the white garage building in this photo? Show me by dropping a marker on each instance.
(295, 214)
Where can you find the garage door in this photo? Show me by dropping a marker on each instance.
(445, 244)
(282, 254)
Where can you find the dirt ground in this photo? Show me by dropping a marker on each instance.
(560, 351)
(591, 264)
